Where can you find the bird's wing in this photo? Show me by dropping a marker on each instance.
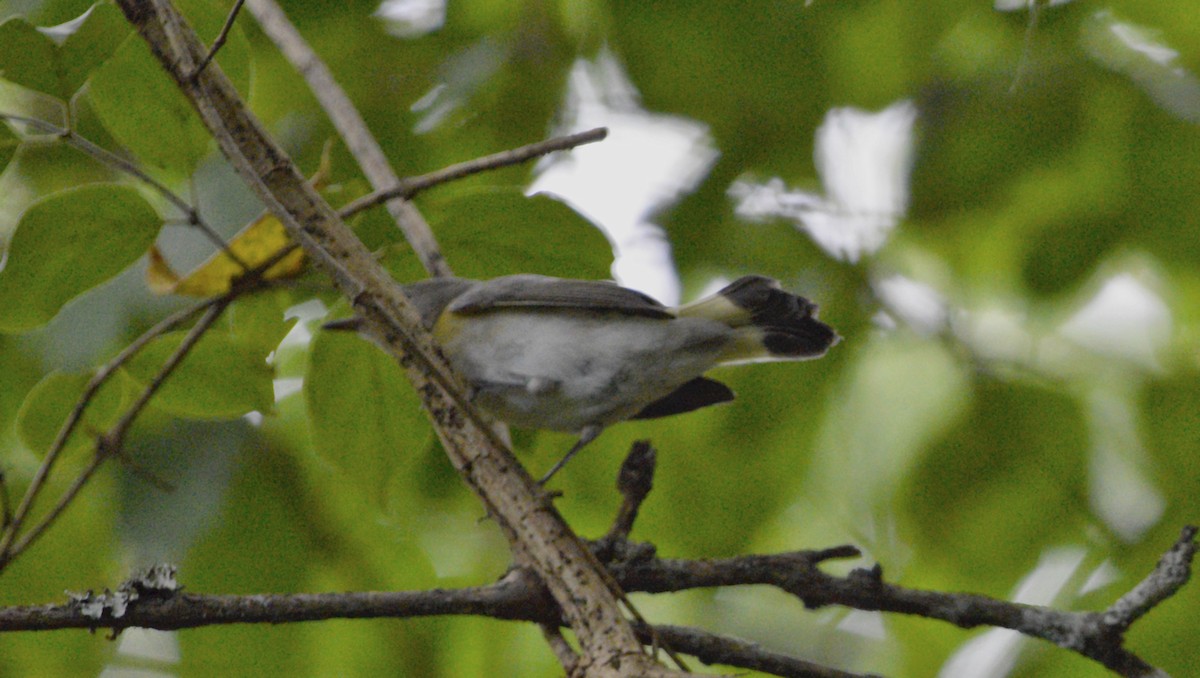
(536, 291)
(692, 395)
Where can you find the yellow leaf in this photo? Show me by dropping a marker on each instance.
(253, 246)
(160, 278)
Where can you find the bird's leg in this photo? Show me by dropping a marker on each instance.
(586, 435)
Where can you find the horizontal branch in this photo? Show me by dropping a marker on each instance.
(515, 598)
(1096, 635)
(518, 596)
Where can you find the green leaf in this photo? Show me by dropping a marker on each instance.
(91, 42)
(257, 319)
(59, 59)
(144, 109)
(28, 58)
(22, 371)
(365, 416)
(221, 378)
(48, 404)
(500, 232)
(68, 243)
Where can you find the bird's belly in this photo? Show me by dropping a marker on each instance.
(565, 371)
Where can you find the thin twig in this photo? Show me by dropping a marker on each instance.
(220, 41)
(104, 156)
(716, 648)
(407, 188)
(5, 503)
(111, 443)
(1172, 572)
(93, 386)
(116, 436)
(251, 280)
(634, 482)
(351, 127)
(147, 476)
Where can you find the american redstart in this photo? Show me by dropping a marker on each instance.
(579, 355)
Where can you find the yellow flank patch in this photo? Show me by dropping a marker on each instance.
(447, 326)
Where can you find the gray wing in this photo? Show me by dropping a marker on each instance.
(539, 291)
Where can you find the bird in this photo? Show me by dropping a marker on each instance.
(578, 356)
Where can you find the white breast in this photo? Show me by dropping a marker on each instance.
(567, 370)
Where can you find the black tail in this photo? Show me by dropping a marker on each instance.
(772, 324)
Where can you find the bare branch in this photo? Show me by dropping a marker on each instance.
(519, 596)
(41, 476)
(1172, 572)
(352, 128)
(6, 515)
(798, 573)
(407, 188)
(715, 648)
(109, 444)
(187, 610)
(221, 37)
(634, 481)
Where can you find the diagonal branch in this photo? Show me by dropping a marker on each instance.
(38, 482)
(538, 535)
(109, 444)
(12, 541)
(407, 188)
(1171, 573)
(352, 128)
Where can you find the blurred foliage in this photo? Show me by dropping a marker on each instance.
(1049, 162)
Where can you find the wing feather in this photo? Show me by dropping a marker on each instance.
(537, 291)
